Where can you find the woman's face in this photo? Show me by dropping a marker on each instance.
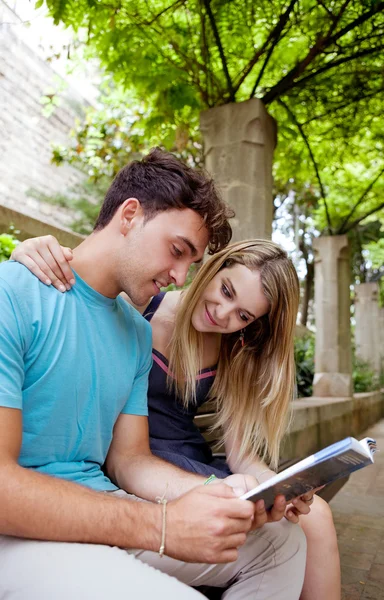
(232, 300)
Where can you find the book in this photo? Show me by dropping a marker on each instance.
(334, 462)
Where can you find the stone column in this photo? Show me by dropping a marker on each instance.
(239, 140)
(333, 353)
(381, 338)
(367, 332)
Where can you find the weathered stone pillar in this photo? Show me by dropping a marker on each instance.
(239, 140)
(333, 353)
(367, 332)
(381, 330)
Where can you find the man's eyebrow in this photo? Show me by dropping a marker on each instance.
(229, 282)
(188, 243)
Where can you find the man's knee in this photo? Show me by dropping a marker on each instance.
(288, 540)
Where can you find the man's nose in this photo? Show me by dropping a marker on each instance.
(179, 274)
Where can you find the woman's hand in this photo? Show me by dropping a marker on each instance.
(242, 483)
(300, 506)
(46, 259)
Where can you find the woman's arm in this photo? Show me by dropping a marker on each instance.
(46, 259)
(50, 262)
(259, 469)
(252, 466)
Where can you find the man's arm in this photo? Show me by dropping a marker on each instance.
(38, 506)
(206, 525)
(132, 466)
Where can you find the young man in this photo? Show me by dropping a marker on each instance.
(73, 382)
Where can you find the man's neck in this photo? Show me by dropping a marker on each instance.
(93, 262)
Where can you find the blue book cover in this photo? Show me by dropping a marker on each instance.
(334, 462)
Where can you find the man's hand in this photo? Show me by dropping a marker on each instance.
(242, 483)
(207, 525)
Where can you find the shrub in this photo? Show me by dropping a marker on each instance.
(364, 378)
(305, 364)
(7, 243)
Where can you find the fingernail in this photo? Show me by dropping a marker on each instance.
(239, 491)
(61, 288)
(68, 287)
(261, 505)
(294, 501)
(72, 281)
(48, 281)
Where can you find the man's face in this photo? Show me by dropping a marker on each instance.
(160, 251)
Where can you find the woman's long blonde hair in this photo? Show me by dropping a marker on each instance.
(255, 383)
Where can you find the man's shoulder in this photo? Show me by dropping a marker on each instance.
(17, 277)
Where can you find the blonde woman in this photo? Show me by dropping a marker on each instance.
(229, 337)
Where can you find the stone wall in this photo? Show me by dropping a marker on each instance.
(25, 134)
(319, 422)
(316, 423)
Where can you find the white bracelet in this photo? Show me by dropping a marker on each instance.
(163, 502)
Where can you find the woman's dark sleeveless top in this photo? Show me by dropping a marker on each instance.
(173, 434)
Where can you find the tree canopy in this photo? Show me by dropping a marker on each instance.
(204, 53)
(317, 66)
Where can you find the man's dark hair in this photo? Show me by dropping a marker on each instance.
(161, 182)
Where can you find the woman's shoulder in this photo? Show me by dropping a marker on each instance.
(171, 300)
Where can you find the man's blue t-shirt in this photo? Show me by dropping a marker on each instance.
(72, 363)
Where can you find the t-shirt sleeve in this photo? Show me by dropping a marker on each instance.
(12, 349)
(137, 403)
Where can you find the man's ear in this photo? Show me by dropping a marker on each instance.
(130, 211)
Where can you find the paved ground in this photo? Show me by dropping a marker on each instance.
(358, 511)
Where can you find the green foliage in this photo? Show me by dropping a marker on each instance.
(305, 364)
(203, 54)
(315, 65)
(7, 244)
(122, 129)
(364, 378)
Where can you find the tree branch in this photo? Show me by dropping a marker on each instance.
(207, 4)
(368, 214)
(359, 201)
(377, 7)
(337, 63)
(276, 38)
(173, 5)
(305, 139)
(274, 35)
(322, 42)
(358, 98)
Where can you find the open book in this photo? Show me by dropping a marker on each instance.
(334, 462)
